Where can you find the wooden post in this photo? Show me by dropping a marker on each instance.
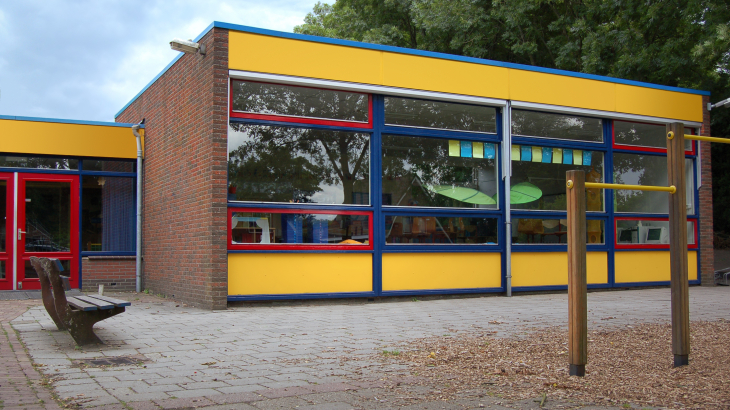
(678, 244)
(577, 283)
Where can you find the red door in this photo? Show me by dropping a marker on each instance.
(6, 231)
(47, 225)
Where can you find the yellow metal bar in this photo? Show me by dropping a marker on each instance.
(671, 189)
(708, 139)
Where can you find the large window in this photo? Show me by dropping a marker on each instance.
(440, 230)
(298, 104)
(434, 172)
(638, 169)
(538, 177)
(297, 228)
(648, 233)
(440, 115)
(558, 126)
(298, 165)
(107, 214)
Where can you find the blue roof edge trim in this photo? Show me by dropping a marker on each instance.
(401, 50)
(444, 56)
(63, 121)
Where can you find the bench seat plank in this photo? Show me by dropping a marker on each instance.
(80, 305)
(101, 304)
(116, 302)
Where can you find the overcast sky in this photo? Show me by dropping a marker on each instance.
(85, 60)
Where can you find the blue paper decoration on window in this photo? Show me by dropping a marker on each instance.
(526, 153)
(568, 156)
(466, 149)
(489, 151)
(587, 156)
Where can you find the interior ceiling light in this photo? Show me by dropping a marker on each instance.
(187, 46)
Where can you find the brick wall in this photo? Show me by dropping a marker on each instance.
(707, 260)
(116, 273)
(184, 225)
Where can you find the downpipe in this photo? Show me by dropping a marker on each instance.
(138, 265)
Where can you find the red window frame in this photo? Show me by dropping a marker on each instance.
(304, 246)
(301, 120)
(647, 245)
(641, 148)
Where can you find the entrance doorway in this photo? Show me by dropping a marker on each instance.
(41, 218)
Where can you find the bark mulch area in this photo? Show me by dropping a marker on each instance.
(629, 365)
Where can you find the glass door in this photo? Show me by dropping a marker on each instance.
(6, 231)
(48, 220)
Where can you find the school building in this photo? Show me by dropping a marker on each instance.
(287, 166)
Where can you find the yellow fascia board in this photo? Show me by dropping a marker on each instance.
(309, 59)
(63, 139)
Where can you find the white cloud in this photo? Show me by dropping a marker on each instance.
(86, 59)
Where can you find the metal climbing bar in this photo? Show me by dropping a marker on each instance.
(600, 185)
(671, 189)
(707, 139)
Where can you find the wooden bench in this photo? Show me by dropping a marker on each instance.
(77, 314)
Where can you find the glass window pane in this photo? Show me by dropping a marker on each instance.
(538, 177)
(300, 228)
(647, 231)
(439, 114)
(439, 172)
(38, 162)
(559, 126)
(2, 270)
(281, 164)
(439, 230)
(644, 135)
(109, 166)
(647, 170)
(47, 216)
(279, 99)
(689, 178)
(108, 213)
(553, 231)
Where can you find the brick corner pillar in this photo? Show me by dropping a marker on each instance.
(185, 176)
(706, 232)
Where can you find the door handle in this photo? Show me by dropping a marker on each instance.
(20, 232)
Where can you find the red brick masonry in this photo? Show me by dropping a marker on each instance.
(116, 273)
(707, 257)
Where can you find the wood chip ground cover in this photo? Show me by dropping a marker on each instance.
(628, 365)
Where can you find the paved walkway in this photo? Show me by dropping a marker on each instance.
(286, 356)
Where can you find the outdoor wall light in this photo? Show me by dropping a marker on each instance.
(718, 104)
(187, 46)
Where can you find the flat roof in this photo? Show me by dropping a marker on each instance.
(408, 51)
(64, 121)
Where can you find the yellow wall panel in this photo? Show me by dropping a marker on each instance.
(420, 271)
(254, 52)
(553, 89)
(650, 266)
(551, 268)
(448, 76)
(658, 103)
(277, 273)
(51, 138)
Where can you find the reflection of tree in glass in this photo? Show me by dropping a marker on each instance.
(436, 114)
(39, 163)
(279, 164)
(538, 124)
(411, 165)
(641, 170)
(298, 101)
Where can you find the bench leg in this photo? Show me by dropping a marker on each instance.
(48, 300)
(81, 324)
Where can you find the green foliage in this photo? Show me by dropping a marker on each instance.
(683, 43)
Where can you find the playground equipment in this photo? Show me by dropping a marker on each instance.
(577, 284)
